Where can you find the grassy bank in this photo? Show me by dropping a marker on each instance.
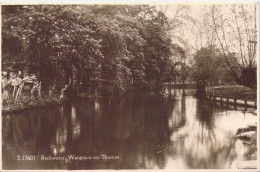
(235, 91)
(27, 102)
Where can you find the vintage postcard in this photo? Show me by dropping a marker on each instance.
(130, 86)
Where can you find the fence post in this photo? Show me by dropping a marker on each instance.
(245, 102)
(227, 100)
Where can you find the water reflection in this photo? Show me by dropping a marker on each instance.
(146, 131)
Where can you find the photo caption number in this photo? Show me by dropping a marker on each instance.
(26, 157)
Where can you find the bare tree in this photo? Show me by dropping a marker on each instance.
(235, 30)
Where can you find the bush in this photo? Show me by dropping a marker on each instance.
(26, 102)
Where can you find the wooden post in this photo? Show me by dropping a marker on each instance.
(235, 103)
(227, 101)
(245, 102)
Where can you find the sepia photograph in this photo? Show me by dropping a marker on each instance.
(130, 86)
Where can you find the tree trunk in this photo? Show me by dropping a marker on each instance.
(26, 58)
(201, 90)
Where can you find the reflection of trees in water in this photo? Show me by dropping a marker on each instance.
(207, 155)
(153, 130)
(155, 140)
(138, 127)
(150, 134)
(29, 132)
(43, 131)
(134, 127)
(201, 147)
(177, 118)
(206, 120)
(177, 121)
(194, 144)
(68, 131)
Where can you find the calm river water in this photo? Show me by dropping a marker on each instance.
(137, 131)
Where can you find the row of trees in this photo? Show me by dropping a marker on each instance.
(116, 48)
(107, 47)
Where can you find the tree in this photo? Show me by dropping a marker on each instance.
(236, 34)
(102, 47)
(208, 68)
(59, 39)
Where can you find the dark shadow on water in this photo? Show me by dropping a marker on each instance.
(144, 130)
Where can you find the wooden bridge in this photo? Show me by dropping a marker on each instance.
(181, 85)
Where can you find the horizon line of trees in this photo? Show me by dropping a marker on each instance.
(109, 47)
(117, 48)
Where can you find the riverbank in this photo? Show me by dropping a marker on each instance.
(26, 102)
(234, 91)
(248, 135)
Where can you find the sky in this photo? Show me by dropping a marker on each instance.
(195, 11)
